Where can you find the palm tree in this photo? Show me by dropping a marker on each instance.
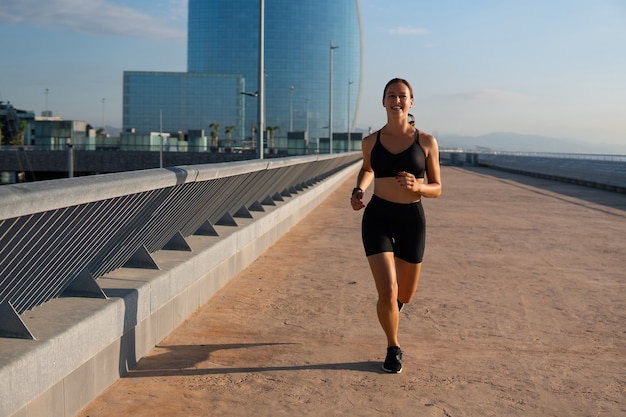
(228, 130)
(215, 128)
(18, 139)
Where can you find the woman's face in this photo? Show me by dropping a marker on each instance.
(398, 100)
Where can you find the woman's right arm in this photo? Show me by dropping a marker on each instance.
(365, 175)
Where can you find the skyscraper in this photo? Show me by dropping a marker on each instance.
(223, 63)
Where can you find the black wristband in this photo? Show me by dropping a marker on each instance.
(355, 189)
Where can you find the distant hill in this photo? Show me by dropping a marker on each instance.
(516, 142)
(113, 131)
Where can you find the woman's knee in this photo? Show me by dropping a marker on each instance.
(387, 292)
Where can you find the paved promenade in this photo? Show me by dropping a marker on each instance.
(520, 311)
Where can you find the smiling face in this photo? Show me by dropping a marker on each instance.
(398, 99)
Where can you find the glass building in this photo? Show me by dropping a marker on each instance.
(223, 63)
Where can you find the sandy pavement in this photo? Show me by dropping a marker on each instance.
(521, 311)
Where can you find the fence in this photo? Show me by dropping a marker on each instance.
(592, 170)
(57, 237)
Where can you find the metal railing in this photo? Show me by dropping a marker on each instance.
(57, 237)
(593, 170)
(558, 155)
(609, 174)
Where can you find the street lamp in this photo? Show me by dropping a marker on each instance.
(306, 103)
(243, 117)
(160, 138)
(70, 157)
(349, 85)
(291, 108)
(103, 129)
(261, 75)
(330, 105)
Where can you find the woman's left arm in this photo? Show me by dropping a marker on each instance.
(431, 187)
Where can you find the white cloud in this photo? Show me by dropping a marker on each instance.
(89, 16)
(408, 31)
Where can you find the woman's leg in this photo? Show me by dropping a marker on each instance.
(384, 272)
(408, 275)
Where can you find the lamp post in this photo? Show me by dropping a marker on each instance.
(291, 108)
(249, 94)
(261, 75)
(70, 157)
(330, 104)
(103, 129)
(306, 126)
(160, 138)
(349, 88)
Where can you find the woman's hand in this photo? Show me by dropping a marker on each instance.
(407, 180)
(356, 200)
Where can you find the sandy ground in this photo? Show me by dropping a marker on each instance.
(521, 311)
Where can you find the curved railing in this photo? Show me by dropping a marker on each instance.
(57, 237)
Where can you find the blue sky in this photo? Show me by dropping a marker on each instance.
(550, 67)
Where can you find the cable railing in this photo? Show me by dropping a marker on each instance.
(560, 155)
(57, 237)
(594, 170)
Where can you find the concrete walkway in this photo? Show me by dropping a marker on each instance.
(520, 312)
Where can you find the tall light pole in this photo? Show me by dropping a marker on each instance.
(160, 138)
(306, 103)
(47, 103)
(70, 157)
(261, 75)
(103, 129)
(306, 126)
(250, 94)
(349, 88)
(291, 108)
(330, 104)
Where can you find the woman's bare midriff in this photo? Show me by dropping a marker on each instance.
(388, 189)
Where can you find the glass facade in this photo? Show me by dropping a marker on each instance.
(222, 62)
(54, 134)
(179, 102)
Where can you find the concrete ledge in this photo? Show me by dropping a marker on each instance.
(84, 345)
(603, 174)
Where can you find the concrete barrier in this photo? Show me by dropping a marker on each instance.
(604, 174)
(599, 171)
(85, 344)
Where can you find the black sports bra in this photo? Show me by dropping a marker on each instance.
(387, 164)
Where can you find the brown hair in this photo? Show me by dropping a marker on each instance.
(398, 80)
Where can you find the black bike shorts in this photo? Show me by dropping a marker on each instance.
(394, 227)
